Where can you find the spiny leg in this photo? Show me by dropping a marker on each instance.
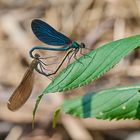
(81, 52)
(41, 70)
(70, 57)
(75, 53)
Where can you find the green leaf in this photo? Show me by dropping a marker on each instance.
(90, 66)
(93, 65)
(55, 117)
(115, 103)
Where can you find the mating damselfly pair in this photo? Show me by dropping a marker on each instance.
(47, 34)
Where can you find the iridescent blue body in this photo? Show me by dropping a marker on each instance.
(47, 34)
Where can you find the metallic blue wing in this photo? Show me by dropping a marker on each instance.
(47, 34)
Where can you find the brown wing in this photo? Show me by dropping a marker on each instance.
(22, 92)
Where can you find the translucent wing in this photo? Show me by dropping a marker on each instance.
(47, 34)
(23, 91)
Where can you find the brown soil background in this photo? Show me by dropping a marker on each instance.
(94, 22)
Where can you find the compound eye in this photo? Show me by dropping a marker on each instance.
(83, 45)
(37, 55)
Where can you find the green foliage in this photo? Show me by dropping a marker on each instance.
(93, 65)
(115, 103)
(55, 117)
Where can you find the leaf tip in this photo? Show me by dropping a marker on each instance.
(55, 117)
(35, 109)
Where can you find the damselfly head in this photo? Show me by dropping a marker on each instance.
(36, 56)
(82, 45)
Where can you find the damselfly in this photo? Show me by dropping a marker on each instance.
(23, 91)
(47, 34)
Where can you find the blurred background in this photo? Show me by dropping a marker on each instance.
(94, 22)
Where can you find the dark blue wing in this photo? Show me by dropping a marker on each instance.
(47, 34)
